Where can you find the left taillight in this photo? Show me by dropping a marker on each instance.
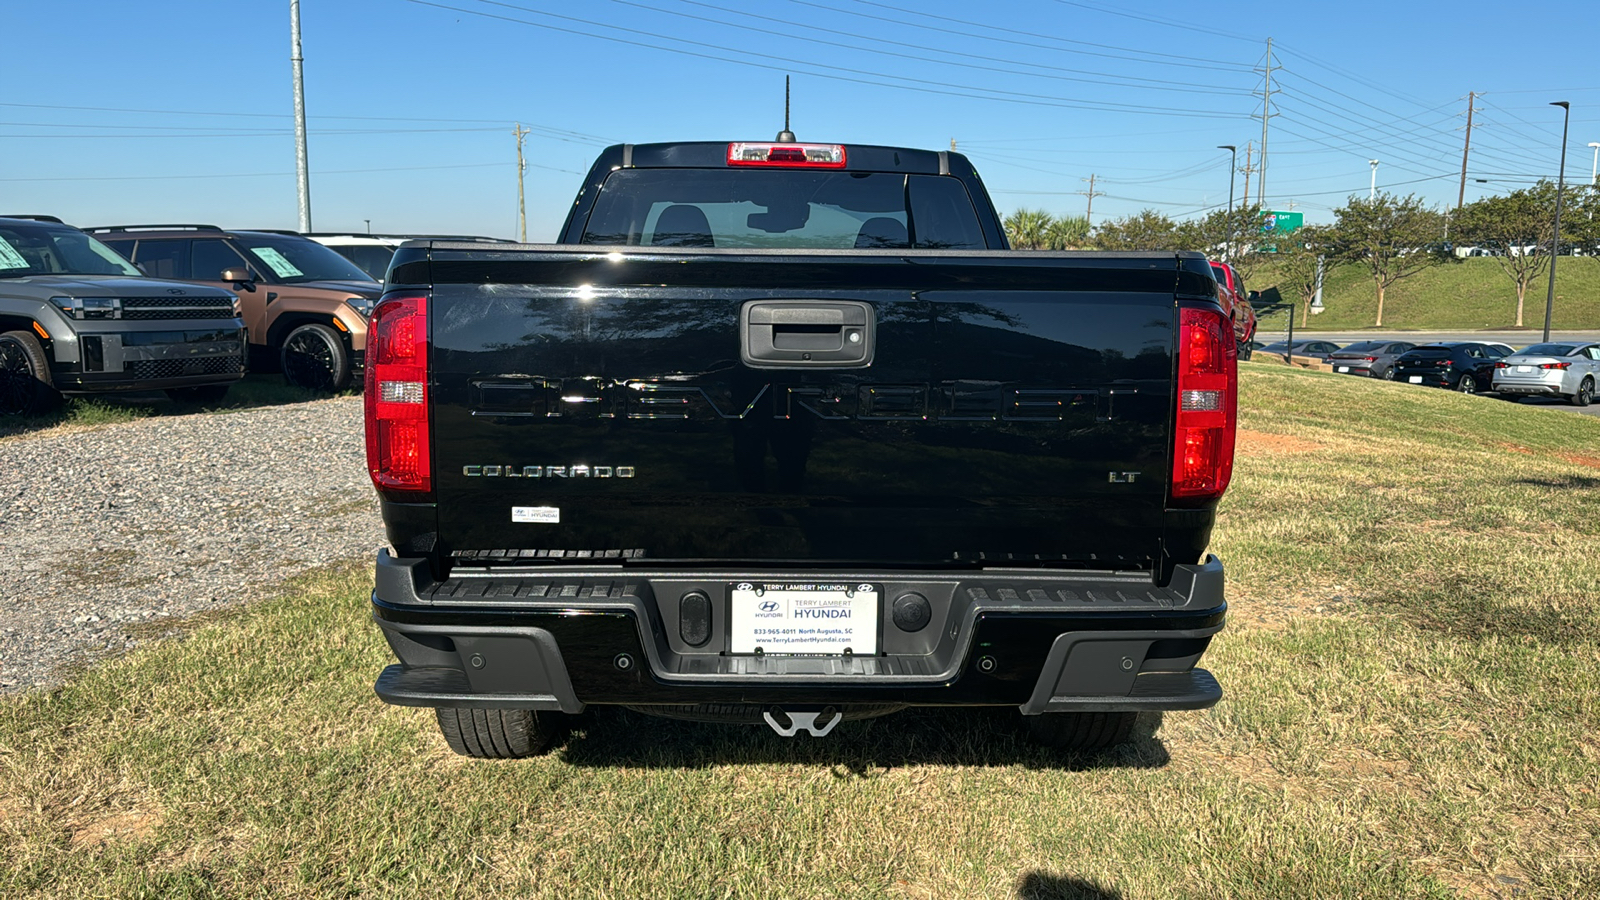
(1208, 412)
(398, 438)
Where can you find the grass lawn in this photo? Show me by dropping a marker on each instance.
(1412, 710)
(1467, 294)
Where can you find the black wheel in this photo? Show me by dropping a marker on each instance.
(1081, 731)
(1584, 395)
(25, 385)
(314, 357)
(1466, 384)
(499, 733)
(1245, 350)
(205, 393)
(1387, 374)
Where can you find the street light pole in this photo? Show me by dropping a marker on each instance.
(302, 168)
(1594, 170)
(1233, 167)
(1555, 237)
(1372, 193)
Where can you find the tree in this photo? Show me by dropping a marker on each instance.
(1394, 237)
(1230, 237)
(1067, 233)
(1147, 230)
(1516, 228)
(1297, 260)
(1027, 228)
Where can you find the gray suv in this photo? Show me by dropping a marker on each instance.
(77, 318)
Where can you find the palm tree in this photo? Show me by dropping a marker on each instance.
(1027, 228)
(1067, 233)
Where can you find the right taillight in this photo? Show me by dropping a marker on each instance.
(1208, 387)
(398, 438)
(1559, 365)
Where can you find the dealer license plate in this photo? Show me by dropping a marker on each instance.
(1342, 369)
(1415, 379)
(804, 618)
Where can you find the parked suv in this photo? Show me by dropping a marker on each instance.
(305, 306)
(372, 252)
(77, 318)
(1465, 366)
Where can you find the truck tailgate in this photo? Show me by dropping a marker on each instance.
(595, 402)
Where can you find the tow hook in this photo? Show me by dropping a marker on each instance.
(816, 724)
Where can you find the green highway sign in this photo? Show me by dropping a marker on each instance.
(1275, 222)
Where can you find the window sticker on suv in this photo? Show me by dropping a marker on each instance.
(280, 265)
(10, 258)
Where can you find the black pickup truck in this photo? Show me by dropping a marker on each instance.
(784, 432)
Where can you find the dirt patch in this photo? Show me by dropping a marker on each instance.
(127, 826)
(1579, 459)
(1261, 443)
(1278, 612)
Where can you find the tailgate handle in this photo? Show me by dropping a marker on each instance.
(804, 334)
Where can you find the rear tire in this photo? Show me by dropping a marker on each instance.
(1466, 384)
(1584, 395)
(499, 733)
(1245, 350)
(205, 393)
(1387, 374)
(26, 388)
(1081, 731)
(314, 357)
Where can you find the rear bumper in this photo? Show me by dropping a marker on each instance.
(1529, 388)
(561, 640)
(1345, 367)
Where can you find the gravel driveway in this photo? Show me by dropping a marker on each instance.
(164, 517)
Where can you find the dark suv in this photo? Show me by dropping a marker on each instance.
(77, 318)
(306, 306)
(1465, 366)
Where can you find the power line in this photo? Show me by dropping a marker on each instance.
(787, 64)
(282, 174)
(1150, 57)
(1128, 81)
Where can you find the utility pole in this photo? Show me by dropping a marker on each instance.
(1091, 193)
(952, 145)
(1245, 203)
(302, 167)
(1461, 195)
(1555, 236)
(1233, 166)
(1266, 115)
(1372, 193)
(522, 166)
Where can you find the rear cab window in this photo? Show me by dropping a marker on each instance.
(783, 209)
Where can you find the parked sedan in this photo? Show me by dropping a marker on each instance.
(1465, 366)
(1565, 369)
(1318, 349)
(1374, 359)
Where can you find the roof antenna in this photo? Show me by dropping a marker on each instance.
(785, 136)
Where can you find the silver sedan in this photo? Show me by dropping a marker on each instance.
(1568, 369)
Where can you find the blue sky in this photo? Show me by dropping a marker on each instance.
(180, 110)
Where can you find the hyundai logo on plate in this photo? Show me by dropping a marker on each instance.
(769, 606)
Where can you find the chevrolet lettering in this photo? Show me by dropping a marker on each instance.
(548, 471)
(891, 463)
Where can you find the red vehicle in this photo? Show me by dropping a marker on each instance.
(1236, 301)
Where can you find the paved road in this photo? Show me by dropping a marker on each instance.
(1516, 339)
